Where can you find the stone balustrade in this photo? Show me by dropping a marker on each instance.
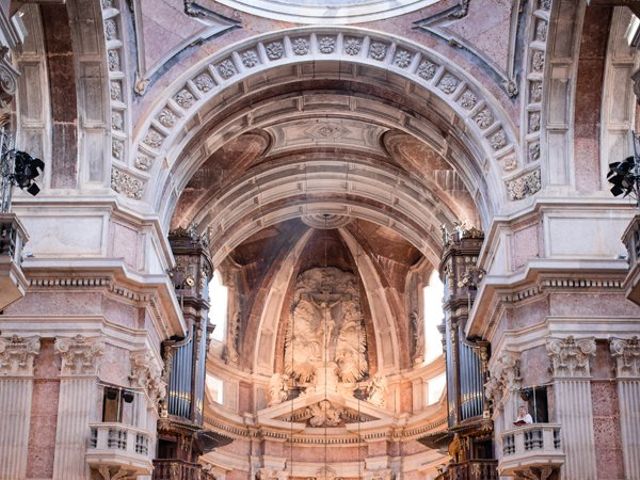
(13, 236)
(113, 444)
(536, 445)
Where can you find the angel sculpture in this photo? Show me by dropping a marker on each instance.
(376, 390)
(278, 388)
(303, 348)
(351, 346)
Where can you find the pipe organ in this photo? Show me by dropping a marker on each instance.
(181, 436)
(470, 429)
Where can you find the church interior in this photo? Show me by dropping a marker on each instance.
(319, 240)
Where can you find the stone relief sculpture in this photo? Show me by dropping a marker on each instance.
(278, 388)
(326, 342)
(376, 390)
(324, 414)
(417, 330)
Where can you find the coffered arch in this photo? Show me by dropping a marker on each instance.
(216, 97)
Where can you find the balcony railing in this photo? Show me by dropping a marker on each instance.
(176, 470)
(13, 283)
(116, 444)
(533, 445)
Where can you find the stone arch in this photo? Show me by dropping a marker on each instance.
(494, 158)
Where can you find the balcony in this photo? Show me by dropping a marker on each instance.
(122, 446)
(631, 239)
(13, 236)
(534, 446)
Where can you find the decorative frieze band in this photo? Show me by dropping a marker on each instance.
(626, 352)
(570, 357)
(17, 354)
(79, 354)
(146, 374)
(504, 377)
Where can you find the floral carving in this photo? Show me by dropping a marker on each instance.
(17, 354)
(113, 58)
(504, 378)
(203, 82)
(146, 374)
(524, 185)
(274, 50)
(327, 45)
(126, 184)
(352, 46)
(626, 352)
(324, 414)
(184, 98)
(153, 138)
(537, 61)
(117, 149)
(167, 118)
(226, 69)
(378, 50)
(402, 58)
(535, 91)
(534, 121)
(79, 354)
(468, 100)
(533, 152)
(250, 58)
(143, 162)
(111, 29)
(448, 84)
(300, 46)
(484, 118)
(570, 357)
(498, 140)
(427, 70)
(117, 120)
(541, 31)
(115, 89)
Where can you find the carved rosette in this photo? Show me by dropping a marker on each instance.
(17, 354)
(504, 378)
(79, 354)
(146, 374)
(626, 352)
(570, 357)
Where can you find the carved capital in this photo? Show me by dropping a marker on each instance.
(17, 354)
(146, 374)
(504, 377)
(570, 357)
(627, 355)
(79, 354)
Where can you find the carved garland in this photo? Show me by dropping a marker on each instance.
(350, 46)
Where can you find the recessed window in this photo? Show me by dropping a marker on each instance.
(218, 298)
(117, 405)
(433, 294)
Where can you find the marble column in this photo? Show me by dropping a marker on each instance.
(572, 384)
(626, 352)
(16, 387)
(77, 404)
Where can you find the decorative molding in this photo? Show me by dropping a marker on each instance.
(379, 474)
(146, 374)
(127, 184)
(504, 378)
(17, 354)
(524, 185)
(570, 357)
(79, 354)
(271, 474)
(626, 352)
(436, 25)
(353, 46)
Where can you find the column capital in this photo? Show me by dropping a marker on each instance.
(79, 354)
(504, 377)
(570, 356)
(17, 354)
(146, 373)
(626, 352)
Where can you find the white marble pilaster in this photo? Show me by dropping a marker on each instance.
(574, 410)
(626, 352)
(16, 388)
(77, 404)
